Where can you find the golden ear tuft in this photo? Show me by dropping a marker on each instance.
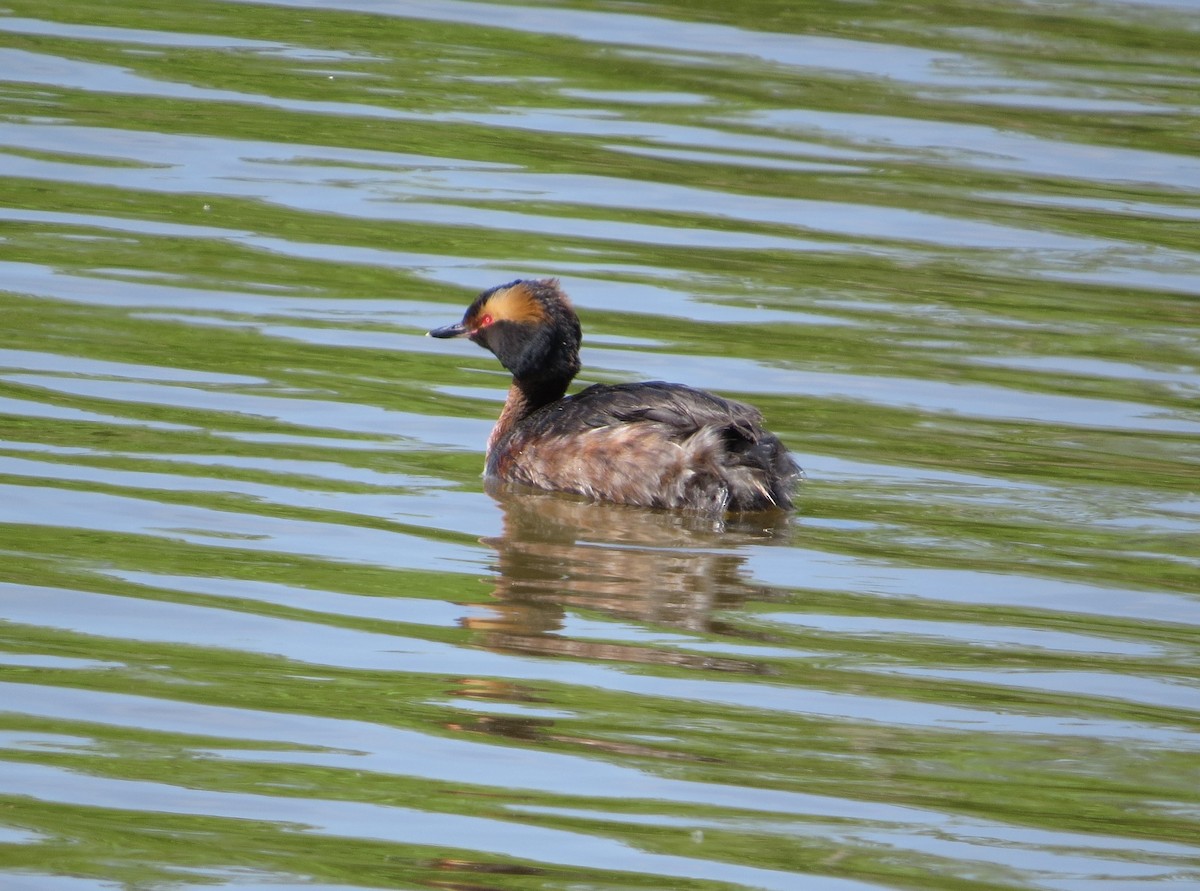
(515, 304)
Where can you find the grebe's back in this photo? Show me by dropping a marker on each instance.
(651, 444)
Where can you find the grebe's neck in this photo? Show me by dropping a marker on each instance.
(524, 398)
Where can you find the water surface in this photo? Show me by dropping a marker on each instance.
(261, 623)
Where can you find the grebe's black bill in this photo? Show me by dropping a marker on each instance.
(458, 329)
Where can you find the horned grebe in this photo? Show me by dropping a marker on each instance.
(649, 444)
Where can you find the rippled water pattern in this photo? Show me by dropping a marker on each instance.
(261, 624)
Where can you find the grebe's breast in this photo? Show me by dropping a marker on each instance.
(650, 444)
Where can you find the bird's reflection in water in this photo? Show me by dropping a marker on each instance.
(653, 567)
(558, 556)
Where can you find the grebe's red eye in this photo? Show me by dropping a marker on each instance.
(485, 321)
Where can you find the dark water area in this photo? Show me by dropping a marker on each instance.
(262, 625)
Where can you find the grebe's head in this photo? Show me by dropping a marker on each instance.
(529, 325)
